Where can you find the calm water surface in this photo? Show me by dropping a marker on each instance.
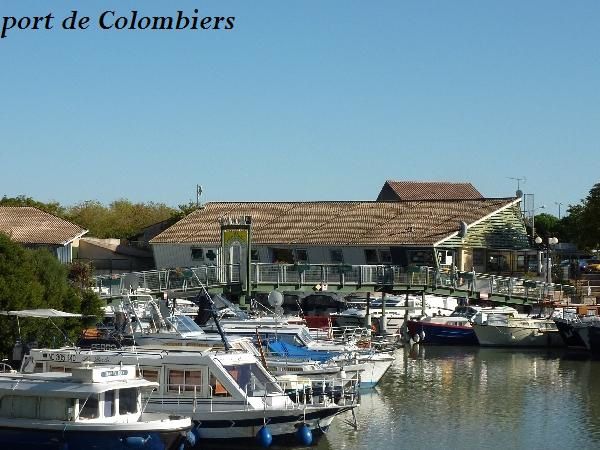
(477, 398)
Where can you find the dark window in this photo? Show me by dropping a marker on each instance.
(385, 256)
(254, 255)
(283, 256)
(336, 256)
(109, 403)
(198, 254)
(90, 407)
(301, 255)
(371, 256)
(127, 401)
(478, 257)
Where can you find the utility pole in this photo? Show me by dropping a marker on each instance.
(198, 194)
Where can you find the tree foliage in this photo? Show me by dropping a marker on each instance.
(120, 219)
(21, 200)
(31, 279)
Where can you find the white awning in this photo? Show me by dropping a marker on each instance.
(43, 313)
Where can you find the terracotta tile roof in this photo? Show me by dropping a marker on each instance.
(427, 190)
(335, 223)
(29, 225)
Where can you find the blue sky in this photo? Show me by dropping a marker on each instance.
(304, 100)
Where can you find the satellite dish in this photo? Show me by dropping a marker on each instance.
(462, 231)
(275, 298)
(519, 193)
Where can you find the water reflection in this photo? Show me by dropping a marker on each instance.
(474, 398)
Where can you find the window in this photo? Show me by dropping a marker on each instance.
(385, 256)
(150, 374)
(109, 403)
(254, 256)
(55, 408)
(336, 256)
(184, 380)
(371, 256)
(283, 256)
(301, 255)
(197, 254)
(128, 401)
(478, 256)
(217, 389)
(251, 378)
(89, 407)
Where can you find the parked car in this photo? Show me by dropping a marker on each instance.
(584, 264)
(593, 265)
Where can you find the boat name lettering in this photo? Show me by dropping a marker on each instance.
(114, 373)
(62, 357)
(101, 359)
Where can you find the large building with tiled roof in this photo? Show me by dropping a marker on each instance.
(467, 232)
(427, 190)
(33, 227)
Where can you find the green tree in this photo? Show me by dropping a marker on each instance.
(120, 219)
(31, 279)
(53, 207)
(546, 225)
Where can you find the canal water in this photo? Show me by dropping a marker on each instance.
(477, 398)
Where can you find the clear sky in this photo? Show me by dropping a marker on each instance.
(303, 100)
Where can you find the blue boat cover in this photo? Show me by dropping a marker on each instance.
(279, 348)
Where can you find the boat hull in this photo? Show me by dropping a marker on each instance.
(243, 425)
(28, 438)
(441, 334)
(506, 336)
(569, 333)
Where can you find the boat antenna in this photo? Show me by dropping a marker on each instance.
(205, 301)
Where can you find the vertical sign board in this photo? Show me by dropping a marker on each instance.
(237, 235)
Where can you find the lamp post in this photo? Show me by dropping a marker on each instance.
(551, 241)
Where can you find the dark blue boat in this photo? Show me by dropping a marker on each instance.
(442, 331)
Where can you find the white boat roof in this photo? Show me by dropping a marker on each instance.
(59, 384)
(143, 356)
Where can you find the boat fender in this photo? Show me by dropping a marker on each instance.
(135, 441)
(304, 435)
(422, 335)
(191, 437)
(264, 437)
(417, 338)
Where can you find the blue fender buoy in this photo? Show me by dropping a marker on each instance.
(304, 435)
(264, 437)
(191, 438)
(135, 441)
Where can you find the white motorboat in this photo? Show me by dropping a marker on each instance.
(504, 330)
(99, 405)
(229, 395)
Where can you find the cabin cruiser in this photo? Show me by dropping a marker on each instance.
(228, 395)
(455, 329)
(99, 405)
(505, 330)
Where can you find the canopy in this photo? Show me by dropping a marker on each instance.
(43, 313)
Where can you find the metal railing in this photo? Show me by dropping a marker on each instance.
(321, 275)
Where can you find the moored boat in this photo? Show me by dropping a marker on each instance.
(228, 395)
(89, 408)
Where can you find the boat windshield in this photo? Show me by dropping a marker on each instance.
(464, 311)
(185, 324)
(251, 378)
(304, 335)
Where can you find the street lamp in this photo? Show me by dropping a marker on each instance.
(551, 241)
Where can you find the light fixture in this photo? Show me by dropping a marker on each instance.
(538, 240)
